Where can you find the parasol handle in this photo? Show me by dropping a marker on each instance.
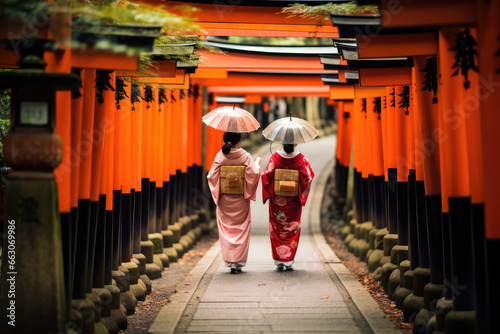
(290, 115)
(234, 106)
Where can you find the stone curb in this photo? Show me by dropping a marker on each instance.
(369, 308)
(169, 316)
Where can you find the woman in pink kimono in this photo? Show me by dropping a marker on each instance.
(284, 211)
(233, 211)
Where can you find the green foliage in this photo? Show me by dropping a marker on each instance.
(321, 13)
(287, 41)
(27, 11)
(92, 15)
(105, 11)
(146, 66)
(5, 99)
(123, 11)
(4, 112)
(173, 40)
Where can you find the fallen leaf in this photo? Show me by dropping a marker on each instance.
(262, 284)
(197, 298)
(325, 297)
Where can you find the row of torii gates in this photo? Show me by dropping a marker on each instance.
(415, 90)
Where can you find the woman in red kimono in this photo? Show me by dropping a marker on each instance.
(285, 211)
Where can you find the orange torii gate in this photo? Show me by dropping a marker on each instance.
(125, 163)
(123, 130)
(108, 155)
(129, 156)
(439, 156)
(256, 72)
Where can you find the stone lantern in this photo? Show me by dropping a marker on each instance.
(34, 300)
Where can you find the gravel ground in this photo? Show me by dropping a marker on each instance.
(164, 287)
(331, 230)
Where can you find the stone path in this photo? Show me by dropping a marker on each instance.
(319, 296)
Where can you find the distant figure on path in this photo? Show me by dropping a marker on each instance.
(285, 210)
(232, 190)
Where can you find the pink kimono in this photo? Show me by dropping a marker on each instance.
(233, 211)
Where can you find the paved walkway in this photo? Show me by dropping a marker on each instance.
(319, 296)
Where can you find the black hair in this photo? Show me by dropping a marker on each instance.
(288, 148)
(230, 138)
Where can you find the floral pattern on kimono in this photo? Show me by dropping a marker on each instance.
(280, 200)
(285, 212)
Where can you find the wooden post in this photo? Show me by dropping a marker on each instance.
(364, 162)
(385, 150)
(157, 146)
(200, 201)
(401, 120)
(100, 173)
(338, 153)
(166, 110)
(487, 247)
(392, 173)
(357, 115)
(177, 153)
(423, 246)
(103, 260)
(69, 230)
(347, 139)
(123, 122)
(427, 108)
(174, 147)
(412, 180)
(374, 111)
(185, 147)
(135, 171)
(455, 173)
(86, 187)
(145, 182)
(160, 161)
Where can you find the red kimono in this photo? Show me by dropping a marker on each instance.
(285, 212)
